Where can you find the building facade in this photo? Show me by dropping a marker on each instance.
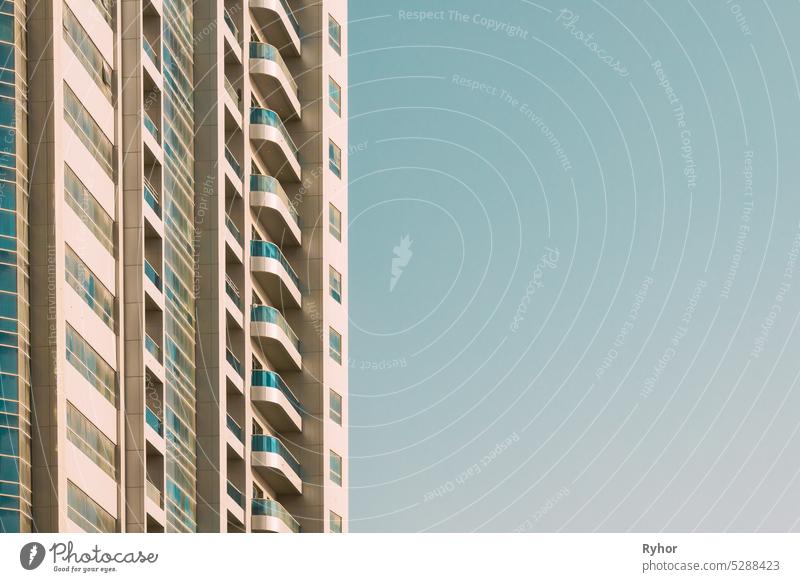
(173, 353)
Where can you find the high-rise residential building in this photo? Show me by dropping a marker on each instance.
(173, 190)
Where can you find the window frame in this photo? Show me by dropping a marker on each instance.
(334, 517)
(334, 158)
(335, 41)
(334, 476)
(335, 276)
(337, 230)
(335, 103)
(334, 353)
(332, 412)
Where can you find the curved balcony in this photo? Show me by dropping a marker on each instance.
(274, 79)
(276, 464)
(276, 148)
(270, 516)
(279, 23)
(276, 401)
(274, 273)
(276, 338)
(275, 211)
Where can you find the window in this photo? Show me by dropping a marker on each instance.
(334, 34)
(86, 284)
(335, 407)
(90, 365)
(86, 513)
(335, 280)
(87, 130)
(88, 209)
(335, 96)
(335, 222)
(86, 51)
(9, 439)
(335, 344)
(335, 158)
(336, 468)
(82, 433)
(335, 522)
(105, 6)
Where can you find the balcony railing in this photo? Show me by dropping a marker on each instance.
(152, 347)
(232, 91)
(268, 314)
(152, 274)
(92, 291)
(234, 362)
(151, 125)
(270, 379)
(261, 183)
(271, 508)
(266, 249)
(269, 444)
(154, 493)
(262, 50)
(235, 494)
(233, 229)
(104, 6)
(91, 366)
(151, 198)
(153, 421)
(151, 52)
(85, 205)
(231, 25)
(234, 427)
(233, 292)
(261, 116)
(292, 17)
(233, 162)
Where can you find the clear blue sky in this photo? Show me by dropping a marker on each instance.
(590, 325)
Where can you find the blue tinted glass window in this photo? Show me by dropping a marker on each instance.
(9, 502)
(8, 360)
(8, 196)
(9, 521)
(9, 488)
(9, 441)
(7, 57)
(7, 28)
(8, 308)
(8, 387)
(10, 406)
(8, 223)
(6, 108)
(9, 469)
(8, 278)
(8, 339)
(8, 138)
